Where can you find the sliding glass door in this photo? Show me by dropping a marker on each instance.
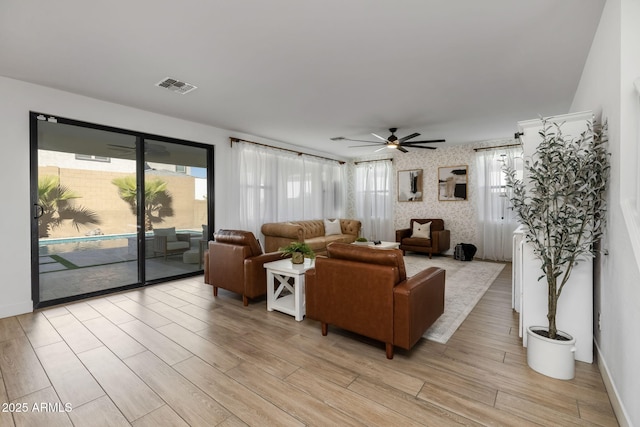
(175, 181)
(113, 209)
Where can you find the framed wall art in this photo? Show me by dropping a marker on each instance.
(452, 183)
(410, 185)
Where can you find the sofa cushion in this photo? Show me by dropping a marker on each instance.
(342, 238)
(174, 246)
(421, 230)
(317, 244)
(416, 241)
(169, 233)
(331, 227)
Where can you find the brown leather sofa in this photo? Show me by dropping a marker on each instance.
(367, 291)
(311, 232)
(437, 243)
(235, 262)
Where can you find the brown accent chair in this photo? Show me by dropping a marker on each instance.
(438, 242)
(235, 262)
(366, 291)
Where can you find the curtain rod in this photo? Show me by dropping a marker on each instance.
(370, 161)
(299, 153)
(497, 147)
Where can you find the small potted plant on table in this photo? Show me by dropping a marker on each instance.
(298, 251)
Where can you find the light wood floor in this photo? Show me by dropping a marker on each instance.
(172, 355)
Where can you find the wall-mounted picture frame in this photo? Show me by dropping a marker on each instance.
(452, 183)
(410, 185)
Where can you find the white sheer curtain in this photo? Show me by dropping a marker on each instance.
(273, 185)
(496, 221)
(374, 199)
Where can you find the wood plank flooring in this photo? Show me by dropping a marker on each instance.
(174, 355)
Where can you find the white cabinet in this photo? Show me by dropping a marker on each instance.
(575, 306)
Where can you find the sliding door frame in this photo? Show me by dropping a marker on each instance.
(140, 177)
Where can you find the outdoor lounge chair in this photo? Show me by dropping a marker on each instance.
(167, 242)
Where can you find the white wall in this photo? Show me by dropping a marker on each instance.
(606, 88)
(18, 98)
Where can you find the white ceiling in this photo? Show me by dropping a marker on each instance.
(304, 71)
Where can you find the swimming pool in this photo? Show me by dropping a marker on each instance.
(74, 244)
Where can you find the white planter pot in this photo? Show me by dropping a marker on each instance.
(553, 358)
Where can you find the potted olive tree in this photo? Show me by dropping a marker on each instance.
(562, 206)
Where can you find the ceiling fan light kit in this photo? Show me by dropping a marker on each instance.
(392, 142)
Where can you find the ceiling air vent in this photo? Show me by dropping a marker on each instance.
(176, 85)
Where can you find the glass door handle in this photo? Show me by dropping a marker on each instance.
(38, 211)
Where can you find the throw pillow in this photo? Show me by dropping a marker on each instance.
(422, 230)
(169, 232)
(332, 226)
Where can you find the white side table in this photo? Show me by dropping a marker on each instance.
(288, 296)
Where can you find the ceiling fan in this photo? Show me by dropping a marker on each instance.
(393, 141)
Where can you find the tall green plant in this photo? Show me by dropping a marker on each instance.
(563, 203)
(157, 200)
(55, 201)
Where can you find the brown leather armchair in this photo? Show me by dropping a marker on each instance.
(437, 243)
(367, 291)
(234, 261)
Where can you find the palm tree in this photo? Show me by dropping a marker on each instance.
(157, 200)
(55, 201)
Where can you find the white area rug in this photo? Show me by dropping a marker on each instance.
(465, 284)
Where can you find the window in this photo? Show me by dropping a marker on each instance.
(374, 200)
(273, 185)
(496, 221)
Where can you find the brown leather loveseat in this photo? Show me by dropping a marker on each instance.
(311, 232)
(235, 262)
(367, 291)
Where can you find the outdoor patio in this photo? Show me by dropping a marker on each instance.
(79, 272)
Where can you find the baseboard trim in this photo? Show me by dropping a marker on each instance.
(15, 309)
(618, 407)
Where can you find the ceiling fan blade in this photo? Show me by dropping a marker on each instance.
(404, 150)
(155, 149)
(413, 135)
(360, 140)
(424, 142)
(379, 137)
(419, 146)
(365, 145)
(380, 149)
(121, 146)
